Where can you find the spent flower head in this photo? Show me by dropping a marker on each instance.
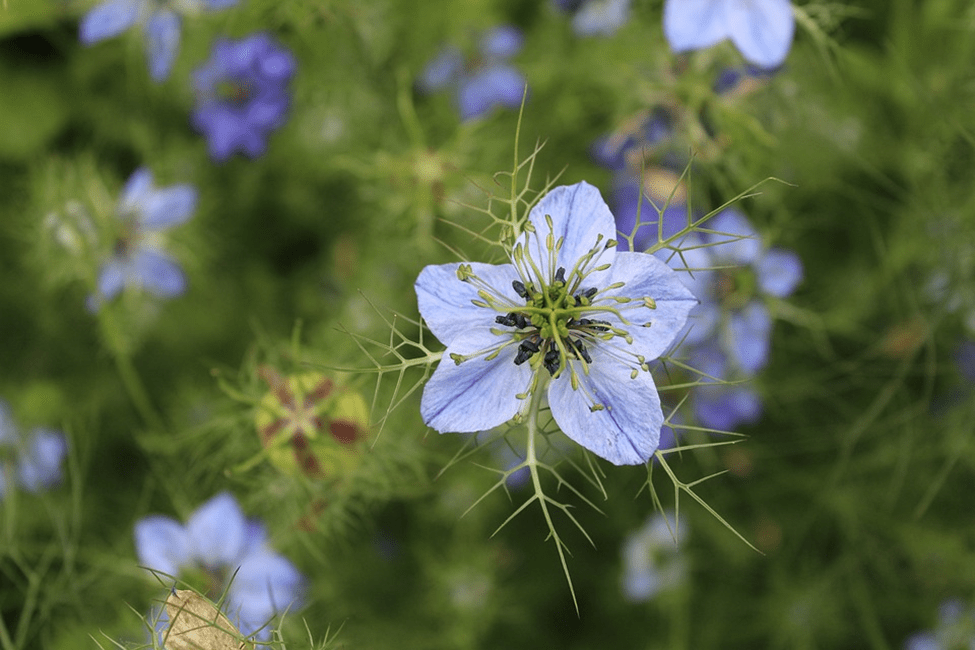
(483, 81)
(137, 261)
(219, 545)
(161, 21)
(242, 94)
(762, 30)
(570, 316)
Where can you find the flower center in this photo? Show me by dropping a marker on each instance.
(236, 92)
(736, 288)
(551, 323)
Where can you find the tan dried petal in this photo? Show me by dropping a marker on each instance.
(196, 624)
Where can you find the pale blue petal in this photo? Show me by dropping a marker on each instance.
(736, 241)
(112, 278)
(726, 408)
(580, 219)
(490, 87)
(477, 394)
(601, 17)
(266, 584)
(695, 24)
(702, 323)
(779, 272)
(136, 192)
(751, 328)
(644, 276)
(627, 430)
(158, 273)
(502, 42)
(762, 30)
(161, 543)
(924, 641)
(40, 464)
(214, 5)
(445, 301)
(109, 19)
(167, 207)
(162, 42)
(442, 71)
(217, 532)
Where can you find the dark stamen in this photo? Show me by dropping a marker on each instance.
(552, 359)
(519, 288)
(527, 348)
(581, 351)
(560, 275)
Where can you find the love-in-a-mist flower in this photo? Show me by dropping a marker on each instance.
(569, 315)
(651, 557)
(724, 405)
(33, 460)
(242, 94)
(955, 629)
(484, 81)
(138, 260)
(745, 274)
(595, 17)
(762, 30)
(219, 545)
(161, 21)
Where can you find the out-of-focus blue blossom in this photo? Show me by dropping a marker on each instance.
(242, 94)
(722, 406)
(732, 308)
(651, 558)
(481, 83)
(143, 211)
(35, 459)
(955, 630)
(596, 17)
(600, 390)
(965, 360)
(227, 547)
(741, 80)
(762, 30)
(160, 20)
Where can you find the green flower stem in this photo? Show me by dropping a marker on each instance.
(127, 373)
(531, 460)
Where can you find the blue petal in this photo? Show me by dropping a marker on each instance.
(502, 42)
(112, 278)
(162, 42)
(601, 17)
(726, 408)
(109, 19)
(217, 532)
(161, 543)
(214, 5)
(779, 272)
(40, 464)
(442, 71)
(695, 24)
(477, 394)
(627, 430)
(136, 192)
(736, 240)
(750, 330)
(580, 220)
(169, 206)
(266, 584)
(923, 641)
(158, 273)
(644, 276)
(445, 301)
(479, 93)
(762, 31)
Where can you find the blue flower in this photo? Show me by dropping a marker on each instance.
(762, 30)
(242, 94)
(486, 81)
(569, 312)
(723, 407)
(143, 211)
(733, 307)
(160, 20)
(651, 558)
(955, 629)
(596, 17)
(35, 460)
(227, 547)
